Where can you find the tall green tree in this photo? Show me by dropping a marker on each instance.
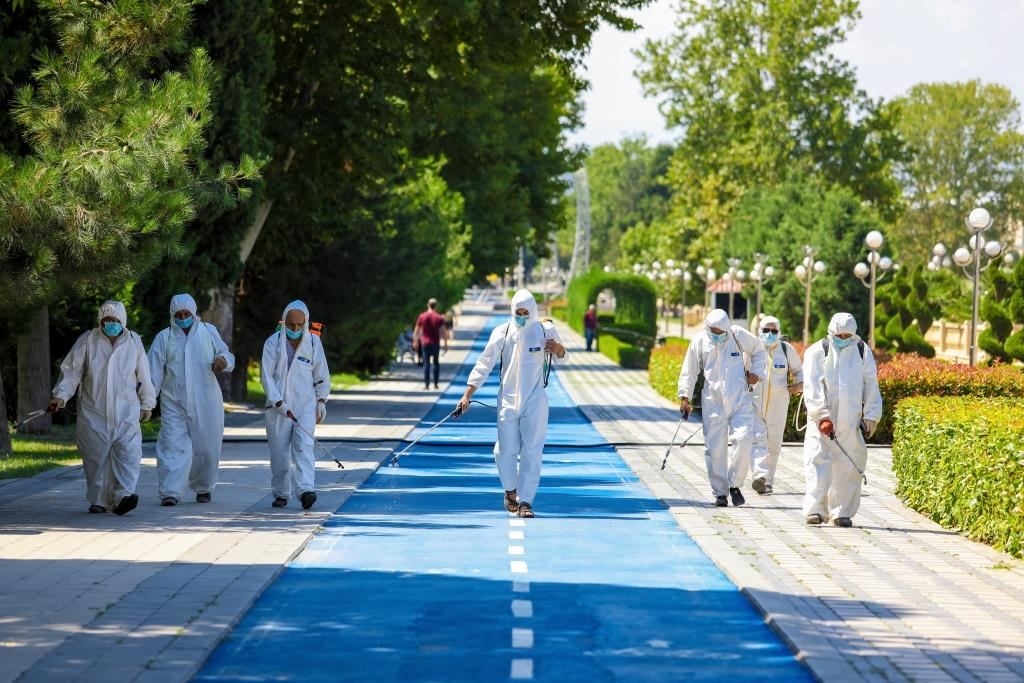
(805, 210)
(755, 90)
(113, 170)
(627, 188)
(967, 149)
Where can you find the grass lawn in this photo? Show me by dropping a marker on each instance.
(35, 454)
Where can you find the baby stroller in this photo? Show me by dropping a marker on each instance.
(403, 347)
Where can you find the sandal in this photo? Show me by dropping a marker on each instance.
(511, 502)
(525, 510)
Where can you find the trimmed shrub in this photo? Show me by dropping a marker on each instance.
(664, 366)
(960, 461)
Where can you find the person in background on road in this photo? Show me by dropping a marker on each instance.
(727, 412)
(297, 383)
(430, 333)
(109, 364)
(523, 347)
(843, 406)
(784, 376)
(590, 325)
(184, 360)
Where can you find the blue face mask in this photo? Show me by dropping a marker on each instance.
(842, 343)
(112, 329)
(717, 339)
(769, 338)
(293, 334)
(521, 320)
(183, 323)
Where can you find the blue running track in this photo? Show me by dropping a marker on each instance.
(423, 576)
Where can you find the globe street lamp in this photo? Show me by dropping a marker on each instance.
(708, 273)
(978, 221)
(862, 270)
(807, 272)
(734, 273)
(940, 257)
(683, 274)
(759, 274)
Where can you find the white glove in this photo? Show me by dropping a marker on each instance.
(144, 415)
(283, 408)
(321, 411)
(870, 426)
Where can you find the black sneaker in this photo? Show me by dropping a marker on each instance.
(96, 509)
(307, 499)
(845, 522)
(204, 497)
(126, 504)
(721, 502)
(759, 485)
(279, 502)
(737, 497)
(168, 501)
(814, 519)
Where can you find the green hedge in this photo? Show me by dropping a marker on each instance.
(960, 461)
(627, 337)
(665, 363)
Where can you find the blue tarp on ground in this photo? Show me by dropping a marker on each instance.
(422, 576)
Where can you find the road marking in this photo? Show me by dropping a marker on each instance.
(516, 550)
(522, 638)
(522, 669)
(518, 566)
(516, 535)
(517, 522)
(520, 586)
(522, 609)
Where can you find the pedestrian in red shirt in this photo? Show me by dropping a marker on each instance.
(430, 332)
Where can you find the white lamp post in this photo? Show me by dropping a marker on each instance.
(978, 221)
(708, 273)
(685, 277)
(874, 241)
(807, 272)
(759, 274)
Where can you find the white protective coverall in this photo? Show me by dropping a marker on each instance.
(191, 404)
(843, 387)
(726, 408)
(115, 388)
(522, 401)
(299, 377)
(771, 402)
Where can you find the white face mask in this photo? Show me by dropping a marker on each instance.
(717, 339)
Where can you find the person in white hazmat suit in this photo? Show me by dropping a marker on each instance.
(108, 364)
(721, 354)
(184, 360)
(297, 383)
(784, 377)
(523, 346)
(843, 400)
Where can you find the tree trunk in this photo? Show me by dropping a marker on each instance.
(34, 372)
(5, 430)
(221, 313)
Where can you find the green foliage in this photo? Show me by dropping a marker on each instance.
(757, 91)
(905, 310)
(966, 148)
(114, 170)
(627, 189)
(960, 462)
(1000, 308)
(635, 305)
(805, 210)
(34, 454)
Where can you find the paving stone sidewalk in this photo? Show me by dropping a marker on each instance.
(897, 598)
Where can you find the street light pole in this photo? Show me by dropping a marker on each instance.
(977, 222)
(806, 272)
(874, 241)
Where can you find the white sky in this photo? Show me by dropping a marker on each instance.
(896, 44)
